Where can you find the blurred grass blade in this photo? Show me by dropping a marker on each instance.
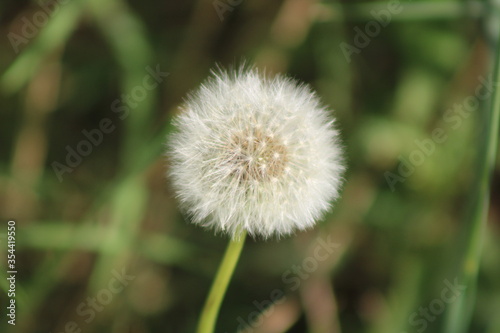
(52, 36)
(406, 11)
(66, 236)
(134, 54)
(460, 312)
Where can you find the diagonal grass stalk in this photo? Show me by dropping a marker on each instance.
(219, 286)
(54, 35)
(460, 312)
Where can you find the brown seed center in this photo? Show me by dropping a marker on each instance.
(255, 156)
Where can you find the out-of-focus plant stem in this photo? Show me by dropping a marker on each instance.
(460, 312)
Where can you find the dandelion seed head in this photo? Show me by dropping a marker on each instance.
(256, 154)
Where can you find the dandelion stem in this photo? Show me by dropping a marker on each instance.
(219, 286)
(460, 312)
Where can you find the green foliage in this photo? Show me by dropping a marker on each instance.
(98, 219)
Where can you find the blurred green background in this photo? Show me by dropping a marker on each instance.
(100, 244)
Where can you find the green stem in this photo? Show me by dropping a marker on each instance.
(219, 286)
(460, 312)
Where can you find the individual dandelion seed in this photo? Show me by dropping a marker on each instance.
(255, 154)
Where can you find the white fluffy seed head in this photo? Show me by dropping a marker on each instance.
(256, 154)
